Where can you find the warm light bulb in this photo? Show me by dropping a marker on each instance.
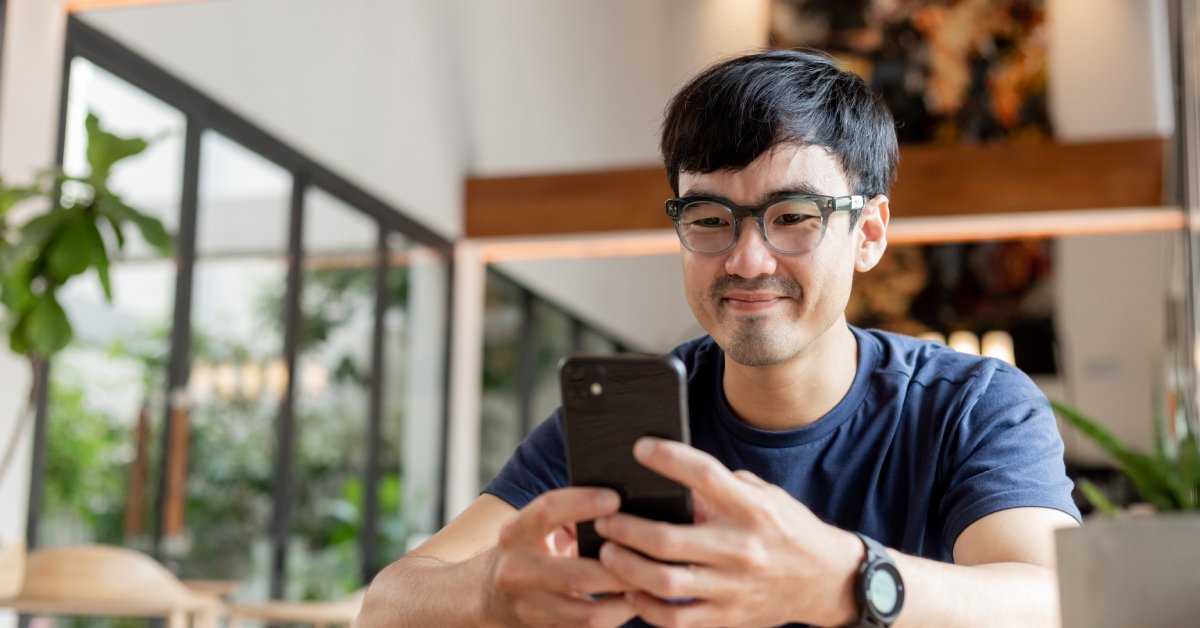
(964, 342)
(999, 344)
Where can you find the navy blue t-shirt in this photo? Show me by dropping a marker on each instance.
(926, 442)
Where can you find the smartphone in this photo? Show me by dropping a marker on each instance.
(608, 403)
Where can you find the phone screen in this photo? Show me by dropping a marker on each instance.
(608, 403)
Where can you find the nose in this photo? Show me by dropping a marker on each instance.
(750, 256)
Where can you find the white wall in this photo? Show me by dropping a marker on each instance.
(34, 31)
(366, 87)
(1111, 313)
(1109, 69)
(570, 85)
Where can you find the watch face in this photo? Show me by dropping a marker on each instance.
(882, 591)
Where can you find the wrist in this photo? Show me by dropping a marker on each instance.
(488, 612)
(845, 561)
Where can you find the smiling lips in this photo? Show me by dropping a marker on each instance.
(751, 301)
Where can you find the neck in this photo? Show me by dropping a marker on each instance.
(797, 392)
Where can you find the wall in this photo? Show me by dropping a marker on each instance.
(29, 90)
(365, 87)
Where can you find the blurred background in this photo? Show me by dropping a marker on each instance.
(393, 218)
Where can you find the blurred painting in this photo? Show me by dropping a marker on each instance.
(950, 70)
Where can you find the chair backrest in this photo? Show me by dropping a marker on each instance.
(12, 568)
(101, 573)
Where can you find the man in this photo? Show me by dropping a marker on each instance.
(806, 431)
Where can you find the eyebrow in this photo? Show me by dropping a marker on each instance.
(787, 190)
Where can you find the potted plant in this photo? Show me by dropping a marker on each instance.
(1128, 570)
(81, 226)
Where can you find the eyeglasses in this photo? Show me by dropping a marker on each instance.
(789, 224)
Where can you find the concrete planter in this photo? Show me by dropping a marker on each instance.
(1142, 571)
(12, 569)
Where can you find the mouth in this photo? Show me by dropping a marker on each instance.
(751, 301)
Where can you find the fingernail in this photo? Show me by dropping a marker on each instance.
(606, 553)
(601, 525)
(643, 447)
(607, 499)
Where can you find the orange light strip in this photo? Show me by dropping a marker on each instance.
(75, 6)
(942, 230)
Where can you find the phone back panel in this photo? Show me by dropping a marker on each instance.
(608, 403)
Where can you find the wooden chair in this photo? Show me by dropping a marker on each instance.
(320, 614)
(107, 581)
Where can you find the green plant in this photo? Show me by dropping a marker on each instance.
(82, 227)
(1168, 478)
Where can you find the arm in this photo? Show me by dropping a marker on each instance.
(494, 565)
(757, 556)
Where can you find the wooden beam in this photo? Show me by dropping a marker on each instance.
(933, 181)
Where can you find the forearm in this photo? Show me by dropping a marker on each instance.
(1000, 594)
(424, 591)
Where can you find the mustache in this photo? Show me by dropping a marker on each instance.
(770, 283)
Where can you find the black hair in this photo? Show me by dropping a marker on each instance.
(736, 110)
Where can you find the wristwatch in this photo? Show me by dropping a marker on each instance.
(878, 587)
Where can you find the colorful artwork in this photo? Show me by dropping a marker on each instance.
(978, 286)
(950, 70)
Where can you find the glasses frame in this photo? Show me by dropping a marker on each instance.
(826, 204)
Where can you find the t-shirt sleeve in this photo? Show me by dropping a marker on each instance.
(538, 465)
(1005, 452)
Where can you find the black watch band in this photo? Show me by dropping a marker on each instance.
(878, 587)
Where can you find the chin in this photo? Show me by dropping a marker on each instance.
(756, 348)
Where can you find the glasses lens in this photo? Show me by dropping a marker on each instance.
(794, 224)
(706, 227)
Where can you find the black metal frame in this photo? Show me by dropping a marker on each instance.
(202, 113)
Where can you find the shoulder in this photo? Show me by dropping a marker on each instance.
(932, 364)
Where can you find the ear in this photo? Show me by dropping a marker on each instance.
(872, 224)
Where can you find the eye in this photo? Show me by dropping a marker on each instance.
(711, 221)
(792, 219)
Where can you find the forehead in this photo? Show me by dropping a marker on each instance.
(784, 167)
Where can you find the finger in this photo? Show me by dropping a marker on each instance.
(554, 509)
(675, 613)
(657, 578)
(692, 468)
(567, 576)
(693, 544)
(544, 609)
(750, 478)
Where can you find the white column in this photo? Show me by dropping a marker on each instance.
(30, 80)
(466, 378)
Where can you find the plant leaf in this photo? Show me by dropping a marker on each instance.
(151, 228)
(9, 197)
(1097, 498)
(47, 328)
(105, 149)
(1189, 470)
(70, 253)
(1151, 476)
(34, 235)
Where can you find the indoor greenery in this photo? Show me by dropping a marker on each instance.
(1168, 478)
(82, 225)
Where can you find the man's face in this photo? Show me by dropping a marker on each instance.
(763, 307)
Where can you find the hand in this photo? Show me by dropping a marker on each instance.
(755, 555)
(536, 576)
